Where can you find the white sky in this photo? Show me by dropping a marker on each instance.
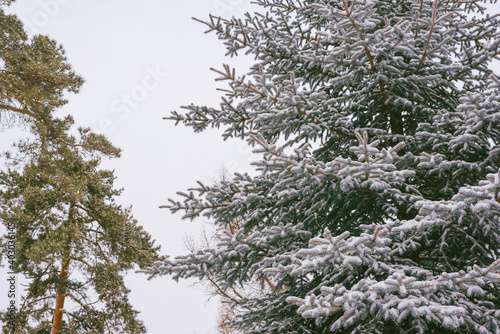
(114, 46)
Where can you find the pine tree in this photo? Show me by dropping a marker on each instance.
(375, 207)
(34, 75)
(73, 241)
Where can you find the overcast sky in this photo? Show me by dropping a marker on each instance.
(141, 60)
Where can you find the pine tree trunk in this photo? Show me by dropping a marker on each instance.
(61, 289)
(61, 295)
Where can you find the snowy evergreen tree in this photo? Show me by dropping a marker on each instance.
(376, 205)
(73, 242)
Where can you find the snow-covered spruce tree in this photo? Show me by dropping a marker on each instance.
(376, 204)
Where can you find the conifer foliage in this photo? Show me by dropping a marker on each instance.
(34, 73)
(73, 242)
(68, 238)
(375, 207)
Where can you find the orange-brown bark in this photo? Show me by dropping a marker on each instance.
(61, 295)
